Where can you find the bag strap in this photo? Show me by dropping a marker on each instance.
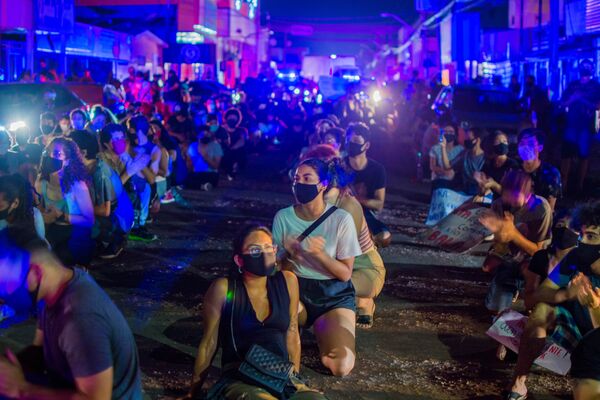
(316, 224)
(232, 310)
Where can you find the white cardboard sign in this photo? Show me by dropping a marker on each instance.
(443, 202)
(508, 329)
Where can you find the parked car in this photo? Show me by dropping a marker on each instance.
(200, 91)
(24, 102)
(483, 106)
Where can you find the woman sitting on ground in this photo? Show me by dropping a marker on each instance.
(66, 203)
(323, 262)
(16, 206)
(256, 304)
(368, 273)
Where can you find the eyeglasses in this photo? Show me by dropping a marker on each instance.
(256, 251)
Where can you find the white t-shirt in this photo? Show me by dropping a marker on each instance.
(338, 230)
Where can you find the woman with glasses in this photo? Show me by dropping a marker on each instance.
(323, 262)
(255, 305)
(66, 204)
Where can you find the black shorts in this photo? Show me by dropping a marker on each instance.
(585, 359)
(322, 296)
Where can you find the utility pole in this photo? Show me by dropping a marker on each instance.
(553, 45)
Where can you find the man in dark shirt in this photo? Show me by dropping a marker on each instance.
(581, 100)
(181, 126)
(369, 180)
(569, 299)
(88, 348)
(546, 178)
(520, 222)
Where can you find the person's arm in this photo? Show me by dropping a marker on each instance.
(445, 159)
(550, 293)
(293, 335)
(377, 202)
(149, 175)
(552, 201)
(81, 195)
(102, 210)
(163, 166)
(525, 244)
(434, 167)
(211, 317)
(314, 254)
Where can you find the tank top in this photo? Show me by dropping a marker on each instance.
(239, 320)
(60, 204)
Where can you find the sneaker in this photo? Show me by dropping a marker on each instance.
(207, 187)
(142, 234)
(111, 251)
(167, 198)
(180, 200)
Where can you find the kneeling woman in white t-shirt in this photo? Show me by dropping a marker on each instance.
(323, 263)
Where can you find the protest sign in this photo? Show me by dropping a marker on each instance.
(508, 328)
(458, 232)
(443, 202)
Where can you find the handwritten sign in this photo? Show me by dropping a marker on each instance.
(443, 202)
(458, 232)
(508, 329)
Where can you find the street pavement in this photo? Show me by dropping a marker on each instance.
(428, 341)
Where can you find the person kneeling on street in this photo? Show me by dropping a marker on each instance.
(568, 300)
(83, 347)
(255, 306)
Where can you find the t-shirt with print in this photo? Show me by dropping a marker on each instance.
(546, 181)
(533, 221)
(85, 334)
(338, 230)
(369, 179)
(199, 164)
(453, 157)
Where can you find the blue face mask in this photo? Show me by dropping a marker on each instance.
(22, 300)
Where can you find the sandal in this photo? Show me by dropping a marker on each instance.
(365, 321)
(515, 396)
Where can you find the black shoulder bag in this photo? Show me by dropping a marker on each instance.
(260, 366)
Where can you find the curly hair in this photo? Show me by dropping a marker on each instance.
(586, 215)
(75, 170)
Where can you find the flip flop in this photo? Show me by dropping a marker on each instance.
(515, 396)
(365, 321)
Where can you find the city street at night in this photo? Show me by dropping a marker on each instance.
(300, 200)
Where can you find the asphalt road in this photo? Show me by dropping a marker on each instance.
(429, 338)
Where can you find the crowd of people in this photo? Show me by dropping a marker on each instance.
(81, 185)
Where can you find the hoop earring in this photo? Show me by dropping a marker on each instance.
(239, 270)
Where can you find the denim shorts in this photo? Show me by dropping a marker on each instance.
(507, 281)
(322, 296)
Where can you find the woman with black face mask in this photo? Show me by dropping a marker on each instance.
(66, 204)
(496, 164)
(257, 305)
(16, 206)
(444, 158)
(319, 242)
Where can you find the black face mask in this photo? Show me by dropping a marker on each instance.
(501, 149)
(305, 193)
(258, 266)
(563, 238)
(355, 149)
(51, 165)
(46, 129)
(469, 144)
(450, 138)
(587, 254)
(232, 123)
(5, 213)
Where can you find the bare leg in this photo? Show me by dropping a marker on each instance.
(586, 389)
(335, 333)
(532, 344)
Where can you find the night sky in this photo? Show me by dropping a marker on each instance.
(337, 9)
